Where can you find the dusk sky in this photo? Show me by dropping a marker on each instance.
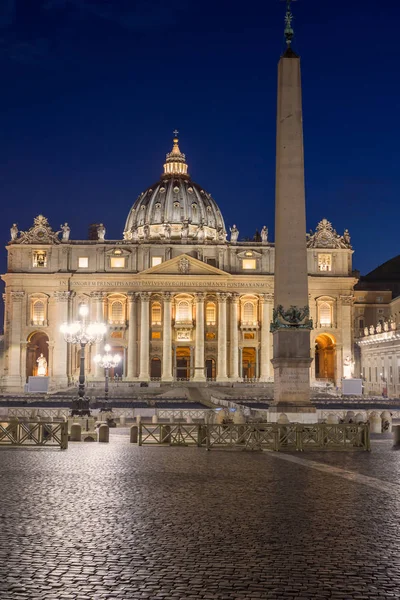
(92, 90)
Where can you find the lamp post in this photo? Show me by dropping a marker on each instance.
(107, 361)
(82, 333)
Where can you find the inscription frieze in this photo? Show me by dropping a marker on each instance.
(178, 283)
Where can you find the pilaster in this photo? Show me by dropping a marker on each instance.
(132, 337)
(234, 324)
(265, 354)
(221, 369)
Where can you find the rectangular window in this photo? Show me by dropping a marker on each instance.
(363, 372)
(324, 262)
(249, 264)
(376, 374)
(156, 335)
(391, 374)
(156, 260)
(83, 262)
(39, 259)
(248, 336)
(117, 262)
(211, 261)
(369, 374)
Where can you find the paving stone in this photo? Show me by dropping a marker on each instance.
(122, 522)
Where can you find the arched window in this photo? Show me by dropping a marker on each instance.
(248, 312)
(183, 311)
(117, 312)
(156, 313)
(325, 314)
(38, 312)
(211, 313)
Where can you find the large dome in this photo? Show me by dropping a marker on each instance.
(175, 208)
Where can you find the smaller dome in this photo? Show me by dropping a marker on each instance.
(175, 208)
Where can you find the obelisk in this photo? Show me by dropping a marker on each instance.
(291, 324)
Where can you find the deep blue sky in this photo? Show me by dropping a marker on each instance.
(92, 89)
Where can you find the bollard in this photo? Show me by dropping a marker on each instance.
(165, 434)
(332, 419)
(283, 419)
(359, 418)
(189, 419)
(350, 416)
(104, 433)
(386, 421)
(138, 419)
(238, 417)
(76, 432)
(134, 434)
(122, 420)
(375, 422)
(396, 435)
(154, 419)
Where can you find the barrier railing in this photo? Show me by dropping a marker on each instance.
(259, 436)
(34, 433)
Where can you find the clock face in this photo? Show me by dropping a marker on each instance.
(40, 234)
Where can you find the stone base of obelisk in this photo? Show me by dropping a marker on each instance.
(291, 365)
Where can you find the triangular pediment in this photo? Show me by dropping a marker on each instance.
(184, 265)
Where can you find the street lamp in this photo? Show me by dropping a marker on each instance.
(107, 361)
(82, 333)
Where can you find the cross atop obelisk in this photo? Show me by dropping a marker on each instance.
(291, 323)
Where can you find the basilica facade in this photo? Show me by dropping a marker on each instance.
(183, 298)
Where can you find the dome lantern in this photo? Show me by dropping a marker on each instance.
(175, 160)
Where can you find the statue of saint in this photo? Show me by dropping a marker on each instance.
(346, 237)
(134, 234)
(167, 231)
(185, 230)
(234, 234)
(200, 233)
(221, 235)
(348, 365)
(66, 230)
(42, 366)
(264, 235)
(14, 232)
(101, 232)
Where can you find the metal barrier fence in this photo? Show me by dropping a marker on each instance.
(34, 433)
(259, 436)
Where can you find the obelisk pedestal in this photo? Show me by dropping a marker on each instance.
(291, 324)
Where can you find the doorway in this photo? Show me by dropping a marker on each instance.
(37, 345)
(325, 357)
(183, 362)
(210, 369)
(249, 363)
(155, 368)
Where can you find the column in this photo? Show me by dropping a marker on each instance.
(234, 364)
(60, 351)
(221, 369)
(132, 337)
(167, 346)
(13, 378)
(199, 367)
(144, 336)
(97, 314)
(265, 354)
(346, 330)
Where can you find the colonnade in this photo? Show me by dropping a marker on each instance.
(227, 350)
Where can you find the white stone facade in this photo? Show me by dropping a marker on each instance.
(178, 303)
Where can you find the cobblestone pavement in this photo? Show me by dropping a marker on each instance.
(120, 522)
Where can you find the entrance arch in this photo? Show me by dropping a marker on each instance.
(325, 356)
(249, 363)
(37, 345)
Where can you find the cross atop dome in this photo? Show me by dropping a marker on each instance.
(175, 161)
